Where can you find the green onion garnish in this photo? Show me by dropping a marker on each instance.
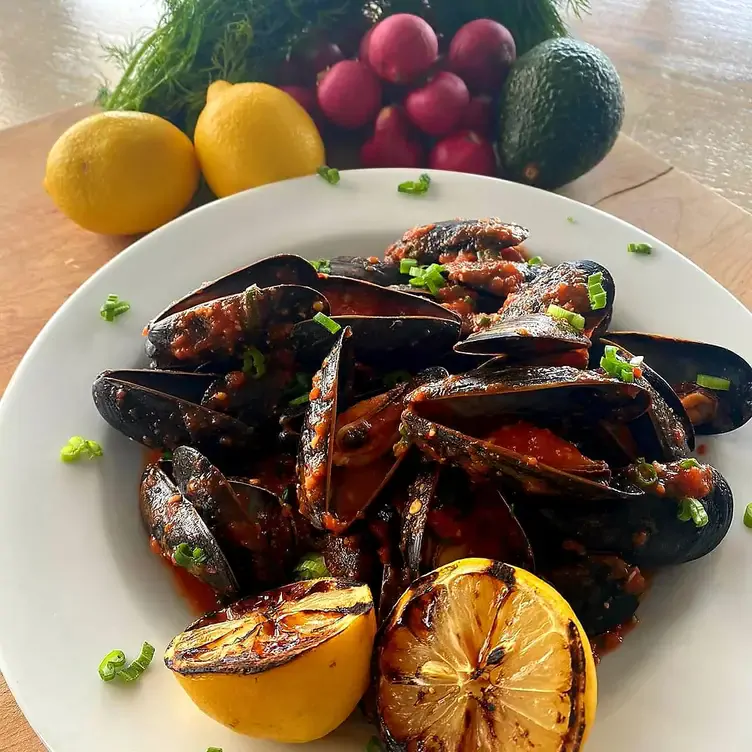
(713, 382)
(374, 745)
(322, 266)
(416, 187)
(300, 400)
(113, 307)
(113, 665)
(254, 362)
(748, 515)
(645, 473)
(214, 749)
(330, 174)
(311, 567)
(187, 557)
(691, 509)
(571, 220)
(689, 462)
(644, 249)
(575, 320)
(407, 264)
(596, 293)
(132, 672)
(167, 455)
(534, 261)
(78, 447)
(617, 367)
(426, 276)
(329, 324)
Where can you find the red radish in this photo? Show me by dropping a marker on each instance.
(392, 122)
(438, 107)
(482, 52)
(349, 94)
(478, 116)
(465, 151)
(391, 151)
(305, 97)
(402, 47)
(364, 46)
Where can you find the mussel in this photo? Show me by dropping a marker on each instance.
(510, 424)
(681, 361)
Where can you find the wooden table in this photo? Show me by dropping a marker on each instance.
(44, 257)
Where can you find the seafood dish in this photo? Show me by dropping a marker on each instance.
(372, 420)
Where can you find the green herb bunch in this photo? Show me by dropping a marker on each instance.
(196, 42)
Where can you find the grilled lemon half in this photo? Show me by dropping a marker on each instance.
(288, 665)
(479, 655)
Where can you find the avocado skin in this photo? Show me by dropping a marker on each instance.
(561, 111)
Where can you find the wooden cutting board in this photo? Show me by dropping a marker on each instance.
(44, 257)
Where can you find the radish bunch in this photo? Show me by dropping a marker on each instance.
(416, 107)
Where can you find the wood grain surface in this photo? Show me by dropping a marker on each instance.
(44, 257)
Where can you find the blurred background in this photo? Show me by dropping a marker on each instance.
(686, 67)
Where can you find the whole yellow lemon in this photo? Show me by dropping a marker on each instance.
(122, 173)
(252, 134)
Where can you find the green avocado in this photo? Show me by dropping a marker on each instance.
(561, 111)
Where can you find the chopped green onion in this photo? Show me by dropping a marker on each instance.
(134, 671)
(534, 261)
(617, 367)
(111, 664)
(748, 515)
(396, 377)
(645, 473)
(713, 382)
(416, 271)
(254, 362)
(311, 567)
(214, 749)
(330, 174)
(689, 462)
(78, 447)
(322, 266)
(595, 290)
(416, 187)
(329, 324)
(374, 745)
(186, 557)
(167, 455)
(692, 509)
(300, 400)
(637, 361)
(113, 307)
(407, 264)
(644, 249)
(575, 320)
(571, 220)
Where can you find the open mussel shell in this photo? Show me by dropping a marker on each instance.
(679, 362)
(283, 269)
(250, 525)
(427, 243)
(644, 529)
(449, 419)
(365, 269)
(564, 285)
(221, 329)
(172, 520)
(664, 432)
(161, 409)
(528, 336)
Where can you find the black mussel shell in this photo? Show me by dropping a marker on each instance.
(644, 529)
(161, 409)
(284, 269)
(365, 269)
(679, 362)
(172, 520)
(427, 243)
(221, 329)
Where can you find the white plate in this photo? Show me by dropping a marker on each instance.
(76, 575)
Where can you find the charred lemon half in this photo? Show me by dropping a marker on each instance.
(288, 665)
(478, 655)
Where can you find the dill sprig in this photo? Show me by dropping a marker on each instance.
(195, 42)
